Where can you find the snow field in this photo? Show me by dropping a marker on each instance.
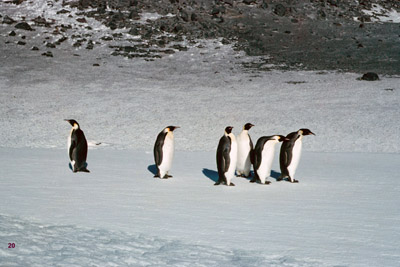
(342, 213)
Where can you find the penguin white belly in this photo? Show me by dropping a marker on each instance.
(296, 153)
(168, 155)
(233, 160)
(267, 156)
(243, 159)
(69, 146)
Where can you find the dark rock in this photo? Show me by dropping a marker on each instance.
(48, 54)
(117, 35)
(178, 28)
(106, 38)
(17, 2)
(321, 14)
(370, 76)
(8, 20)
(62, 39)
(23, 37)
(184, 16)
(249, 2)
(218, 10)
(90, 45)
(23, 26)
(225, 41)
(41, 21)
(63, 11)
(50, 45)
(35, 48)
(12, 33)
(134, 15)
(168, 51)
(280, 10)
(21, 43)
(264, 4)
(334, 2)
(82, 4)
(96, 65)
(81, 20)
(193, 17)
(179, 47)
(134, 31)
(112, 25)
(294, 20)
(77, 44)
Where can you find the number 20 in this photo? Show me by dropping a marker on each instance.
(11, 245)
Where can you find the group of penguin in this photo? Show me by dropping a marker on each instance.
(234, 154)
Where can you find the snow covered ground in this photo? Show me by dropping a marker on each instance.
(344, 212)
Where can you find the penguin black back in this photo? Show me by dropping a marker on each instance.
(158, 154)
(223, 158)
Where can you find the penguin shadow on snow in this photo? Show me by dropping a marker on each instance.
(211, 174)
(153, 169)
(275, 175)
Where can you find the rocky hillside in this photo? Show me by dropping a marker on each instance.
(354, 36)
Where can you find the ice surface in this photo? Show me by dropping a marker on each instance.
(344, 211)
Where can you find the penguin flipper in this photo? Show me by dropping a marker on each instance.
(227, 159)
(72, 147)
(158, 153)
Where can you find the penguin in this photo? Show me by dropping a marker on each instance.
(245, 152)
(77, 148)
(164, 152)
(226, 157)
(290, 154)
(264, 153)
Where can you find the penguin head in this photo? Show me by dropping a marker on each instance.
(305, 131)
(74, 123)
(247, 126)
(228, 129)
(171, 128)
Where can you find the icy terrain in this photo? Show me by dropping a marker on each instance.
(344, 212)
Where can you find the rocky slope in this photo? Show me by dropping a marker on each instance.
(312, 34)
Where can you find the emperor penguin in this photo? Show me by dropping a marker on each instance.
(77, 148)
(289, 157)
(245, 152)
(226, 157)
(264, 153)
(164, 151)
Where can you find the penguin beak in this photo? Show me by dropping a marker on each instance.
(312, 133)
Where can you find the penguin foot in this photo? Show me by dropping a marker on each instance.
(294, 181)
(167, 176)
(217, 183)
(231, 184)
(253, 180)
(156, 176)
(267, 182)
